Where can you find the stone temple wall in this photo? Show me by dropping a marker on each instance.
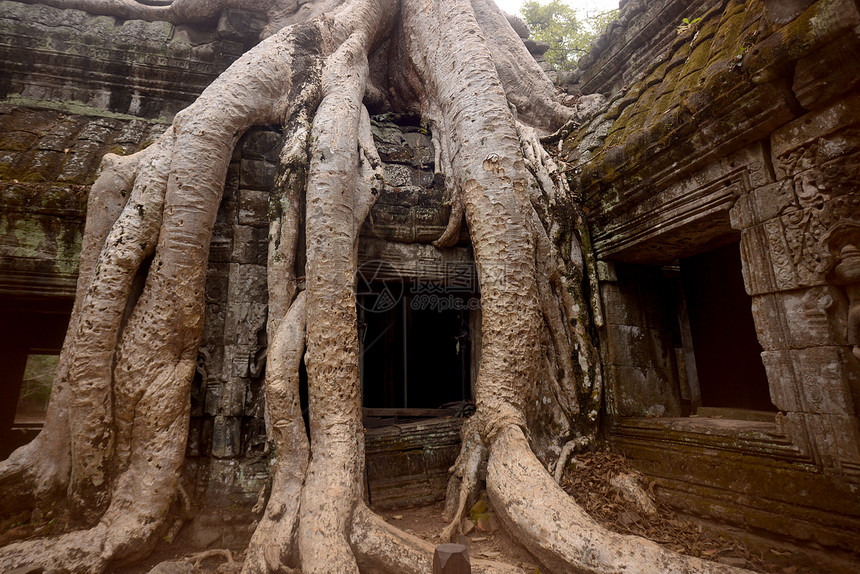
(734, 137)
(74, 87)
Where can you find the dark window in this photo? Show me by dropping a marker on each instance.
(31, 335)
(415, 347)
(35, 389)
(728, 354)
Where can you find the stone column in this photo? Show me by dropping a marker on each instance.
(799, 245)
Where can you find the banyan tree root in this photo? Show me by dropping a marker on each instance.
(119, 415)
(39, 471)
(570, 541)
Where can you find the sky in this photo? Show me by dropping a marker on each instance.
(587, 6)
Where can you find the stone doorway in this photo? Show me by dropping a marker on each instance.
(415, 346)
(31, 335)
(727, 353)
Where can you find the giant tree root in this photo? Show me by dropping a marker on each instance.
(560, 533)
(39, 471)
(383, 549)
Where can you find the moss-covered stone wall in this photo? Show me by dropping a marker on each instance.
(737, 126)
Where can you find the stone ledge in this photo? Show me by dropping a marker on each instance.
(407, 464)
(739, 436)
(743, 473)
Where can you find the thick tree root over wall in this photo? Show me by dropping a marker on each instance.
(114, 441)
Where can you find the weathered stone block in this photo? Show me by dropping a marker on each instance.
(220, 249)
(247, 304)
(212, 403)
(621, 305)
(792, 425)
(425, 178)
(253, 207)
(257, 174)
(227, 438)
(774, 256)
(421, 146)
(393, 222)
(239, 363)
(42, 164)
(643, 391)
(662, 222)
(215, 316)
(216, 289)
(741, 214)
(262, 144)
(823, 379)
(827, 73)
(228, 213)
(781, 380)
(814, 317)
(80, 165)
(398, 175)
(60, 136)
(212, 354)
(802, 232)
(217, 269)
(606, 271)
(395, 154)
(396, 464)
(767, 315)
(195, 437)
(215, 313)
(250, 245)
(439, 459)
(100, 130)
(234, 24)
(231, 183)
(131, 133)
(403, 196)
(235, 389)
(638, 347)
(17, 140)
(771, 200)
(812, 29)
(434, 218)
(836, 437)
(255, 402)
(789, 144)
(194, 35)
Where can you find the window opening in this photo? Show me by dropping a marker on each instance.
(727, 353)
(35, 389)
(415, 348)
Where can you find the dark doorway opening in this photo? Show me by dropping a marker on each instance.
(727, 351)
(415, 347)
(31, 335)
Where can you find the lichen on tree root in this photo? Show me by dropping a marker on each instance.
(119, 414)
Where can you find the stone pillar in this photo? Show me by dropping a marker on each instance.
(799, 246)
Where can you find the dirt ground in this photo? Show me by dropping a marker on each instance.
(422, 521)
(588, 480)
(494, 544)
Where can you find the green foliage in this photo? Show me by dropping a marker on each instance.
(687, 24)
(569, 34)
